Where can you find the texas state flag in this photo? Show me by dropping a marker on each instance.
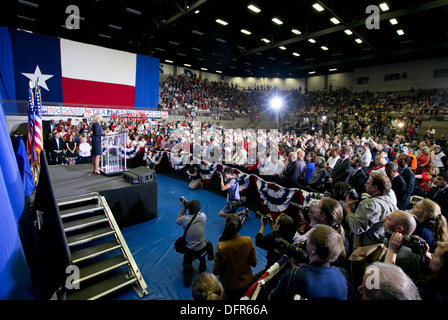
(79, 73)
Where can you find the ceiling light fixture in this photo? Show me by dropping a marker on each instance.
(282, 48)
(393, 21)
(169, 61)
(400, 32)
(318, 7)
(253, 8)
(312, 72)
(348, 32)
(296, 54)
(384, 6)
(246, 31)
(224, 23)
(358, 40)
(265, 40)
(333, 69)
(312, 40)
(277, 21)
(133, 11)
(295, 31)
(30, 4)
(187, 65)
(335, 21)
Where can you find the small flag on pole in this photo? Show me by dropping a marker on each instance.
(38, 140)
(30, 136)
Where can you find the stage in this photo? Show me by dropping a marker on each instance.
(130, 203)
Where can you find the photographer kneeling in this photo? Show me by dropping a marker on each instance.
(195, 237)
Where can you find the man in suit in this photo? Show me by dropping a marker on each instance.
(358, 177)
(292, 171)
(342, 169)
(408, 175)
(398, 183)
(56, 148)
(439, 193)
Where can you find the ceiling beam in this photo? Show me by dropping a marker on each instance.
(194, 6)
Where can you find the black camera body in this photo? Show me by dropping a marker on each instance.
(266, 218)
(305, 209)
(284, 247)
(185, 202)
(414, 242)
(353, 194)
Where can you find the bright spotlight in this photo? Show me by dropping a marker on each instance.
(276, 103)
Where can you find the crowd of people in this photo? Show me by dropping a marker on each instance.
(382, 182)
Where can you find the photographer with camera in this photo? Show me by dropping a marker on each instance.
(196, 244)
(282, 227)
(316, 279)
(234, 201)
(404, 250)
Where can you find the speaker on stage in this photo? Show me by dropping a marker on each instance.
(140, 175)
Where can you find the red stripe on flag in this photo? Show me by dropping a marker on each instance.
(94, 92)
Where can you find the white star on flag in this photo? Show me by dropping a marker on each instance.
(38, 75)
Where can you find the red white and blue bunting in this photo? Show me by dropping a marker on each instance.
(273, 197)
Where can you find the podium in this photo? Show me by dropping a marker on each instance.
(113, 157)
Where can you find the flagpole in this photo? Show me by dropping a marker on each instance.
(38, 137)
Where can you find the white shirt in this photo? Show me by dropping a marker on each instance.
(331, 162)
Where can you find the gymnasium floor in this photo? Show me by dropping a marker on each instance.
(151, 242)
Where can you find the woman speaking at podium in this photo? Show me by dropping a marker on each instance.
(97, 133)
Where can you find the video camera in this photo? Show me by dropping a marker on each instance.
(266, 218)
(284, 247)
(414, 242)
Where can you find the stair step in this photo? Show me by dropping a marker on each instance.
(86, 222)
(103, 288)
(88, 253)
(89, 236)
(76, 199)
(79, 210)
(101, 267)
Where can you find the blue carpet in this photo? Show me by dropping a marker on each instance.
(151, 242)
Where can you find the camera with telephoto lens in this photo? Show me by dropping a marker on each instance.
(414, 242)
(284, 247)
(185, 202)
(305, 209)
(352, 194)
(266, 218)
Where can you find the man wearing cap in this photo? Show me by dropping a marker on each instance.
(405, 151)
(438, 158)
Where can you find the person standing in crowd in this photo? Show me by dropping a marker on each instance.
(317, 279)
(439, 193)
(431, 224)
(342, 169)
(206, 287)
(71, 146)
(408, 177)
(438, 158)
(57, 147)
(358, 177)
(393, 284)
(234, 257)
(195, 238)
(366, 223)
(97, 133)
(398, 184)
(84, 150)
